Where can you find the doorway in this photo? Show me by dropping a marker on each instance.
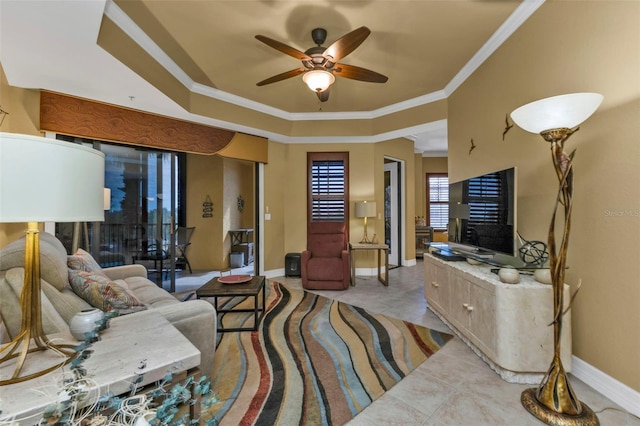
(393, 170)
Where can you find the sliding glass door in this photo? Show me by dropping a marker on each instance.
(140, 215)
(141, 218)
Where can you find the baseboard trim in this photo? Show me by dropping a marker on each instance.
(410, 262)
(618, 392)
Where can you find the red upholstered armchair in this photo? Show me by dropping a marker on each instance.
(325, 263)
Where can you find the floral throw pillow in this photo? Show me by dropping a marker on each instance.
(100, 292)
(83, 261)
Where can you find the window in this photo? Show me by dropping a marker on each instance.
(328, 186)
(438, 200)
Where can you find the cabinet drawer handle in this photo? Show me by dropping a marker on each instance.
(465, 305)
(469, 308)
(435, 284)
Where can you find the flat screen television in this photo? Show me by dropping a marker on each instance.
(482, 214)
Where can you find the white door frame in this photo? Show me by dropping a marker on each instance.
(397, 233)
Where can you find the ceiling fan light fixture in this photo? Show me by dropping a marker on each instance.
(318, 80)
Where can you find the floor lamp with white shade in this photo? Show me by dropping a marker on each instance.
(556, 119)
(43, 180)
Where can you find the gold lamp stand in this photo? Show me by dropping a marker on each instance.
(31, 337)
(365, 238)
(554, 401)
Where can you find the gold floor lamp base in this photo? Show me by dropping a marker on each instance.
(586, 418)
(31, 337)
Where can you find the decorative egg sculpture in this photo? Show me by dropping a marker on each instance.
(509, 275)
(542, 276)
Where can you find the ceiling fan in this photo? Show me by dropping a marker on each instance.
(320, 64)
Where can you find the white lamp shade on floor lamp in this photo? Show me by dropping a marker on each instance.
(46, 180)
(557, 112)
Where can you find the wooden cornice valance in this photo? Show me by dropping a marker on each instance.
(94, 120)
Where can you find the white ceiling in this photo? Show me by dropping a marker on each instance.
(426, 48)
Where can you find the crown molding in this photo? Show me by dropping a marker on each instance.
(378, 137)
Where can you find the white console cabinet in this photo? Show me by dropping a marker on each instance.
(505, 324)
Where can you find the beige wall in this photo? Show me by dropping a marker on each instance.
(223, 179)
(361, 187)
(23, 107)
(424, 166)
(286, 194)
(275, 177)
(237, 181)
(205, 177)
(571, 47)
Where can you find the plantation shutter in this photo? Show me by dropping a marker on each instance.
(328, 187)
(438, 196)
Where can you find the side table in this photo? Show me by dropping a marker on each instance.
(382, 249)
(252, 288)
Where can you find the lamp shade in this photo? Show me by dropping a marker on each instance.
(318, 80)
(46, 180)
(556, 112)
(366, 209)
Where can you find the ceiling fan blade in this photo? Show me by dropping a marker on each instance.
(324, 95)
(358, 73)
(284, 48)
(346, 44)
(282, 76)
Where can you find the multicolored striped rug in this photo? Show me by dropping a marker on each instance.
(313, 361)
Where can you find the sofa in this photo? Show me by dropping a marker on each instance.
(62, 298)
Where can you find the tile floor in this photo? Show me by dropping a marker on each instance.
(454, 387)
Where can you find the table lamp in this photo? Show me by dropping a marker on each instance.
(365, 209)
(556, 119)
(43, 180)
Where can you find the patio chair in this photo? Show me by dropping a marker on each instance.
(183, 240)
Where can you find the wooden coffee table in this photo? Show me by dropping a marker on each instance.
(216, 289)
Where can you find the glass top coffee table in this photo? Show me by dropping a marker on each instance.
(251, 289)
